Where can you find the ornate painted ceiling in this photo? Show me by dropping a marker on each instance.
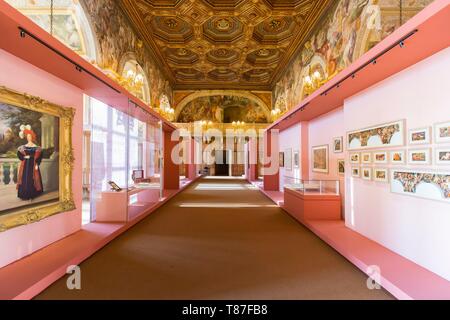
(226, 44)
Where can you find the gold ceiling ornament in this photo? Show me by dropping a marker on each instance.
(66, 160)
(223, 24)
(255, 34)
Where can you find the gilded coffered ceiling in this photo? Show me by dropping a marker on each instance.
(227, 44)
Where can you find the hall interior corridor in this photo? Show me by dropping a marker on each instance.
(219, 239)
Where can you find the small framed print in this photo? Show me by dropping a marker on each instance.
(367, 173)
(355, 158)
(288, 159)
(442, 132)
(421, 156)
(380, 175)
(281, 159)
(443, 156)
(296, 159)
(341, 167)
(320, 159)
(366, 158)
(338, 144)
(398, 157)
(419, 136)
(355, 172)
(380, 157)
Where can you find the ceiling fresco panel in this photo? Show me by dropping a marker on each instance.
(226, 44)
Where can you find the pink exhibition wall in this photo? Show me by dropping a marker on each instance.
(23, 77)
(290, 139)
(415, 228)
(322, 130)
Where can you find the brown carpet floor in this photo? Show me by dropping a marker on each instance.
(219, 239)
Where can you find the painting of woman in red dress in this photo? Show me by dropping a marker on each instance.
(29, 179)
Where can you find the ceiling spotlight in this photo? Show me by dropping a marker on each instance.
(401, 44)
(78, 68)
(353, 76)
(22, 33)
(374, 61)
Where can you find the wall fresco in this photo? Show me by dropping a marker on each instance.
(348, 30)
(223, 109)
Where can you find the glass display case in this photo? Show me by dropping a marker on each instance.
(144, 161)
(126, 162)
(312, 199)
(312, 187)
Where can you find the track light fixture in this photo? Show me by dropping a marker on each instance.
(401, 44)
(78, 68)
(22, 33)
(374, 61)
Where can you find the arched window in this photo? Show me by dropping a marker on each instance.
(135, 80)
(70, 23)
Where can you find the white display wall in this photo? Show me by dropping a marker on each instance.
(414, 227)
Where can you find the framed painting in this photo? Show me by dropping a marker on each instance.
(421, 156)
(341, 167)
(398, 157)
(380, 157)
(380, 175)
(367, 173)
(443, 156)
(355, 158)
(366, 158)
(320, 159)
(419, 136)
(281, 159)
(36, 159)
(390, 134)
(442, 132)
(288, 159)
(296, 159)
(422, 184)
(338, 144)
(355, 172)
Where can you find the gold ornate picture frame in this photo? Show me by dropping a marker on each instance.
(65, 202)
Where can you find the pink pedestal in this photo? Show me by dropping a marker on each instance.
(112, 207)
(312, 207)
(115, 206)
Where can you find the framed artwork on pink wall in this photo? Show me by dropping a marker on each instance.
(36, 159)
(281, 159)
(380, 175)
(398, 157)
(390, 134)
(320, 159)
(367, 173)
(422, 184)
(443, 156)
(338, 144)
(419, 156)
(442, 132)
(341, 167)
(419, 136)
(296, 159)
